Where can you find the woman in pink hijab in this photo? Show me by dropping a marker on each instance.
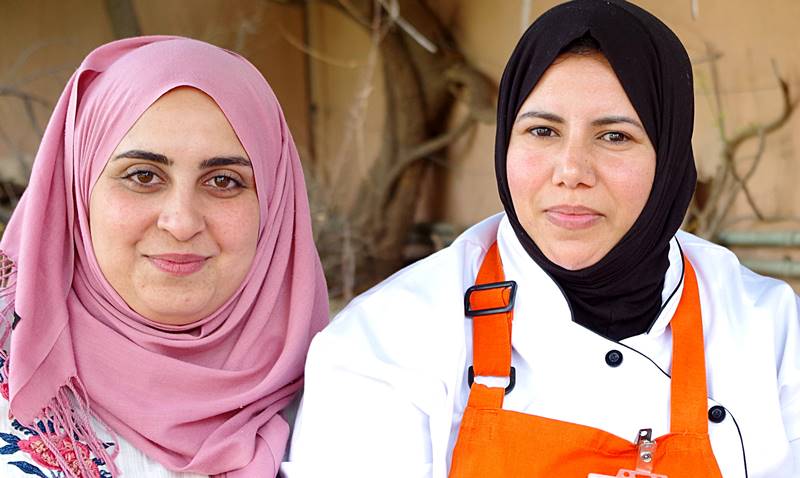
(160, 282)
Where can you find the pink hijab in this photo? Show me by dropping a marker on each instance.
(203, 397)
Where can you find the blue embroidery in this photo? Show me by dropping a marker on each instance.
(28, 468)
(9, 438)
(9, 449)
(16, 425)
(12, 446)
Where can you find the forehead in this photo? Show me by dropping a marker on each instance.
(586, 82)
(179, 109)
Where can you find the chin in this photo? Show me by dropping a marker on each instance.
(573, 262)
(572, 266)
(178, 312)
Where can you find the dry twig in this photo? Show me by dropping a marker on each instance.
(728, 183)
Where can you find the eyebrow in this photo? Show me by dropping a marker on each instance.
(214, 162)
(218, 161)
(146, 155)
(604, 121)
(607, 120)
(541, 115)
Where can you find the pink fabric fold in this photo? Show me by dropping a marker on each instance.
(203, 397)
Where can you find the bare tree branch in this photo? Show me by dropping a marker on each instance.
(22, 95)
(714, 57)
(788, 107)
(429, 147)
(762, 143)
(363, 219)
(28, 102)
(393, 9)
(316, 54)
(741, 185)
(712, 217)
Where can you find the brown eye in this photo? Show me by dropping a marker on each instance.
(222, 182)
(145, 177)
(142, 179)
(542, 131)
(615, 137)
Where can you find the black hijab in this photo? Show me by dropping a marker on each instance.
(619, 296)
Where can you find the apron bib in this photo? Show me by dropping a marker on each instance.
(493, 442)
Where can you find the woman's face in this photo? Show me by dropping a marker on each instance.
(580, 164)
(174, 215)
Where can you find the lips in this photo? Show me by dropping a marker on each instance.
(572, 217)
(178, 264)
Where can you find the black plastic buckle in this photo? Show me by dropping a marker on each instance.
(512, 378)
(469, 312)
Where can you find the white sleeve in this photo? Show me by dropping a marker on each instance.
(796, 453)
(788, 351)
(381, 379)
(360, 415)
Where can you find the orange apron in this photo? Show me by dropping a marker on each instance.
(493, 442)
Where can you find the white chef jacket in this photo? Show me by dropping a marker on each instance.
(386, 381)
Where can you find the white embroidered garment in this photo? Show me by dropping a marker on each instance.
(23, 455)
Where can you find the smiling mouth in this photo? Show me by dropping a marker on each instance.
(572, 217)
(178, 264)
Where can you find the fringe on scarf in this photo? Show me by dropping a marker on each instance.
(67, 417)
(70, 415)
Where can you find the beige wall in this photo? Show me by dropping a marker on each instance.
(43, 41)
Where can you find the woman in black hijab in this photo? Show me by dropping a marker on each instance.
(635, 348)
(620, 295)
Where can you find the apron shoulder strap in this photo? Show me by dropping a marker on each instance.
(489, 303)
(689, 393)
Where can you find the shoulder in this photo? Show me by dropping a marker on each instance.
(429, 282)
(752, 337)
(750, 320)
(724, 277)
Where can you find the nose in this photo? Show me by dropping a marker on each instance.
(181, 215)
(573, 165)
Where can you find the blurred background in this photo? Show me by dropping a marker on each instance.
(392, 105)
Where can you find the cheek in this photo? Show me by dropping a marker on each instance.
(636, 181)
(527, 174)
(235, 226)
(631, 184)
(118, 219)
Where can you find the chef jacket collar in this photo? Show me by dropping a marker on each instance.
(520, 267)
